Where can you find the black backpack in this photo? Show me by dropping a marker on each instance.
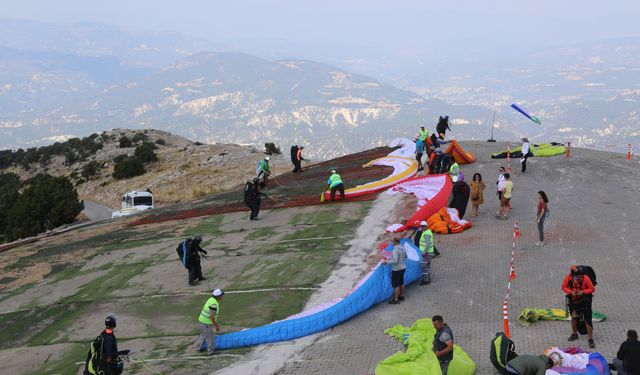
(587, 270)
(502, 351)
(93, 364)
(294, 153)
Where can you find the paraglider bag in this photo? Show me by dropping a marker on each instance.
(183, 254)
(502, 351)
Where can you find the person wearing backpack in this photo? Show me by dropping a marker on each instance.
(189, 252)
(103, 355)
(294, 156)
(253, 197)
(579, 290)
(541, 215)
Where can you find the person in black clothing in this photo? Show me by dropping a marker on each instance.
(252, 197)
(416, 241)
(627, 362)
(110, 363)
(443, 126)
(460, 196)
(294, 158)
(192, 250)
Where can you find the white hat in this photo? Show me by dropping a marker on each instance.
(333, 171)
(267, 158)
(423, 223)
(218, 293)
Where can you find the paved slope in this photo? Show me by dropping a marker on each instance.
(595, 220)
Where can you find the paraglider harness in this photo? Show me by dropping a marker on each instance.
(96, 364)
(183, 254)
(502, 351)
(582, 305)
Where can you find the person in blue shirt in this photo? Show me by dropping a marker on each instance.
(419, 152)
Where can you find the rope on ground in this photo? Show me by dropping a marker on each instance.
(512, 275)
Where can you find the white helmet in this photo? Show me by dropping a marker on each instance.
(333, 171)
(267, 158)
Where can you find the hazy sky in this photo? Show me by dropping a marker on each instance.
(398, 26)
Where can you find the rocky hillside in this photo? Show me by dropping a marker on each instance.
(185, 170)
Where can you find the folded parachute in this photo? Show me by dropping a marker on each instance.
(419, 357)
(462, 156)
(447, 221)
(374, 288)
(541, 150)
(530, 315)
(432, 192)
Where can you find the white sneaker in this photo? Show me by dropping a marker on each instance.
(538, 244)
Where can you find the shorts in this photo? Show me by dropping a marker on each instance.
(419, 157)
(504, 202)
(397, 278)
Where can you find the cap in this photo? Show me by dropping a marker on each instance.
(574, 269)
(267, 158)
(217, 293)
(423, 223)
(422, 126)
(333, 171)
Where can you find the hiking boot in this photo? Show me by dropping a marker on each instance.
(393, 302)
(202, 278)
(592, 344)
(573, 337)
(424, 282)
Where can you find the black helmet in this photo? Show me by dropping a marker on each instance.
(197, 238)
(110, 321)
(256, 179)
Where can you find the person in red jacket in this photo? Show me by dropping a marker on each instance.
(579, 290)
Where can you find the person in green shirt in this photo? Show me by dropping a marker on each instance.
(208, 320)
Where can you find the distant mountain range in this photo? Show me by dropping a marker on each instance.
(57, 81)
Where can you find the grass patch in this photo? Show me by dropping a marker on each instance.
(130, 243)
(210, 225)
(105, 285)
(66, 363)
(261, 233)
(322, 214)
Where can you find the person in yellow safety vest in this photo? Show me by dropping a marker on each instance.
(423, 134)
(426, 247)
(208, 319)
(335, 183)
(454, 170)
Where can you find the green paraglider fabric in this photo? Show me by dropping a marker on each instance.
(419, 357)
(530, 315)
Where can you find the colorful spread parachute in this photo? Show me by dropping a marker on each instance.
(538, 150)
(374, 288)
(447, 221)
(404, 166)
(462, 156)
(432, 192)
(530, 117)
(576, 361)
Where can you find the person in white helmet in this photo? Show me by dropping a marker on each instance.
(209, 323)
(335, 184)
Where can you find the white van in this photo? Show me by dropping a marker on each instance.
(134, 202)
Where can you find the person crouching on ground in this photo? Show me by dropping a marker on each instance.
(398, 267)
(579, 290)
(528, 364)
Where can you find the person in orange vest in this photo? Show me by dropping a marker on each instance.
(579, 290)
